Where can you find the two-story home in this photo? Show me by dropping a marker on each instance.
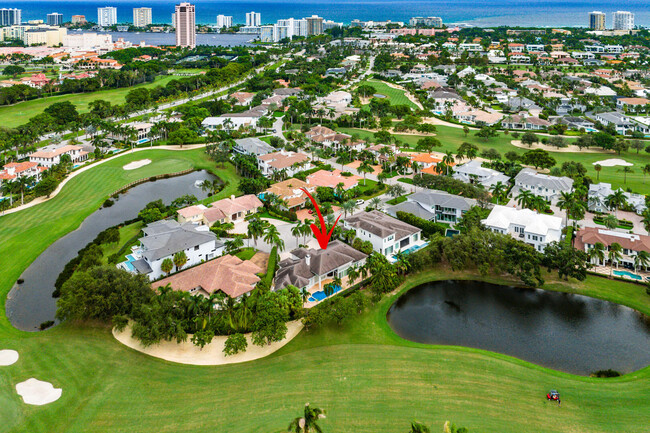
(527, 123)
(331, 179)
(621, 122)
(310, 268)
(16, 170)
(543, 185)
(473, 172)
(290, 191)
(598, 193)
(227, 274)
(252, 146)
(588, 237)
(283, 161)
(388, 235)
(49, 156)
(530, 227)
(445, 207)
(163, 239)
(228, 210)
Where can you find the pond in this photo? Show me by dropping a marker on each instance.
(566, 332)
(29, 304)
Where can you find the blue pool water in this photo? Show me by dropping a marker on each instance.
(320, 295)
(130, 258)
(628, 274)
(413, 248)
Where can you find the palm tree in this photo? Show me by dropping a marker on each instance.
(167, 265)
(349, 206)
(616, 200)
(625, 171)
(566, 201)
(598, 168)
(296, 230)
(308, 422)
(180, 259)
(353, 274)
(641, 259)
(375, 203)
(272, 237)
(402, 264)
(610, 221)
(256, 228)
(448, 159)
(234, 244)
(614, 255)
(646, 170)
(597, 252)
(498, 190)
(525, 198)
(365, 168)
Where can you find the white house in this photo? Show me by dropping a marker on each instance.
(387, 234)
(252, 146)
(289, 162)
(49, 156)
(474, 172)
(543, 185)
(535, 229)
(598, 193)
(446, 207)
(163, 239)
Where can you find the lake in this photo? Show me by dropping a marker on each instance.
(566, 332)
(31, 303)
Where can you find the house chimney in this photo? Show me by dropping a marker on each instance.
(308, 259)
(232, 197)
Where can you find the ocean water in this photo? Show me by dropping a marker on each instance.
(474, 12)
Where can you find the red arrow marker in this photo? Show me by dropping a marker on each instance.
(322, 236)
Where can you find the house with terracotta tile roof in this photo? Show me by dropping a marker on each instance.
(291, 192)
(49, 156)
(243, 98)
(283, 161)
(15, 170)
(227, 210)
(227, 274)
(632, 244)
(331, 179)
(632, 104)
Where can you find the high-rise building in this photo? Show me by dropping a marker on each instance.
(54, 19)
(185, 25)
(106, 16)
(329, 25)
(314, 25)
(224, 21)
(623, 20)
(596, 20)
(293, 27)
(253, 19)
(79, 19)
(426, 21)
(174, 19)
(10, 17)
(141, 17)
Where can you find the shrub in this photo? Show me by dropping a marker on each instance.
(605, 373)
(108, 203)
(428, 228)
(235, 344)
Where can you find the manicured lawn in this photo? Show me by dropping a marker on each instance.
(451, 138)
(246, 253)
(19, 114)
(397, 200)
(127, 233)
(366, 377)
(395, 96)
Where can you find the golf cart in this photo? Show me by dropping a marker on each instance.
(553, 395)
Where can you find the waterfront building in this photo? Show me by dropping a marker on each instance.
(596, 20)
(106, 16)
(10, 17)
(314, 25)
(54, 19)
(224, 21)
(185, 25)
(79, 19)
(623, 20)
(426, 22)
(253, 19)
(141, 17)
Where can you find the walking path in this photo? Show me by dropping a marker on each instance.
(211, 354)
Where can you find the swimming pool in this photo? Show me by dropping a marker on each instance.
(628, 274)
(320, 295)
(414, 248)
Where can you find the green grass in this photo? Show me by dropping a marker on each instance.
(395, 96)
(397, 200)
(127, 233)
(246, 253)
(20, 113)
(365, 376)
(451, 138)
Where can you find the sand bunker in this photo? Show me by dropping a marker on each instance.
(211, 354)
(8, 357)
(136, 164)
(613, 162)
(37, 392)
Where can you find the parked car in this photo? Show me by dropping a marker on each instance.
(360, 202)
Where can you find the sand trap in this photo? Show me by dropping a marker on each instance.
(136, 164)
(572, 148)
(613, 162)
(37, 392)
(211, 354)
(8, 357)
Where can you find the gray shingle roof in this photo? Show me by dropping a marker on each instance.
(443, 199)
(297, 272)
(253, 145)
(166, 238)
(380, 224)
(529, 176)
(412, 208)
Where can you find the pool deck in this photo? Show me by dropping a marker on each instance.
(608, 270)
(315, 288)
